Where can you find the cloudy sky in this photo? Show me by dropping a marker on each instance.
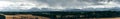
(59, 5)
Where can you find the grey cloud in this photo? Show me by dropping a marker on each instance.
(70, 5)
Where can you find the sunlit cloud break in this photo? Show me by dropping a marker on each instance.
(59, 5)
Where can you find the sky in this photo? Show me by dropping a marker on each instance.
(59, 5)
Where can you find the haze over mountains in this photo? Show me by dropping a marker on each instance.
(59, 5)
